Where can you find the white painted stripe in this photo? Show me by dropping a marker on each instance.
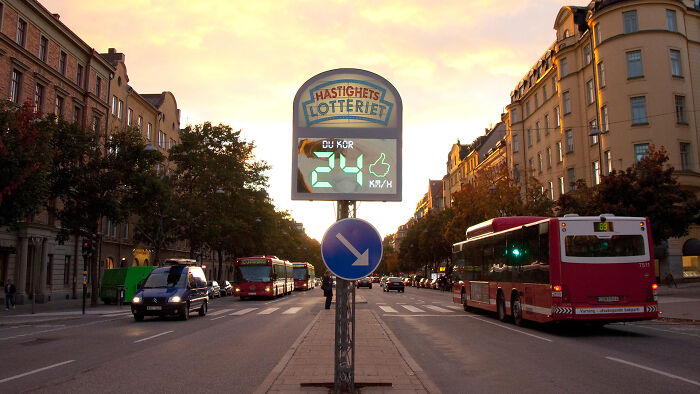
(381, 303)
(153, 336)
(671, 331)
(388, 309)
(438, 309)
(217, 318)
(35, 371)
(511, 329)
(655, 371)
(217, 313)
(454, 306)
(267, 311)
(412, 308)
(292, 310)
(242, 312)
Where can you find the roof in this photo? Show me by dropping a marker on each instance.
(155, 100)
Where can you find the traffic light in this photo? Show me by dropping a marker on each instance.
(87, 246)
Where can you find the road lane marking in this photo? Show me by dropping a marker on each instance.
(35, 371)
(671, 331)
(153, 336)
(511, 329)
(454, 306)
(267, 311)
(438, 309)
(654, 370)
(217, 313)
(388, 309)
(242, 312)
(412, 308)
(217, 318)
(292, 310)
(61, 328)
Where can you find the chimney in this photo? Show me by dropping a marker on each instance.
(57, 16)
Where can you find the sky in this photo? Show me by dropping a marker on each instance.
(240, 63)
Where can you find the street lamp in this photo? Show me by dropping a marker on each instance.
(599, 134)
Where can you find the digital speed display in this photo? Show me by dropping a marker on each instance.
(346, 165)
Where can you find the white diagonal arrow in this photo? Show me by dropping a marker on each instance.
(362, 258)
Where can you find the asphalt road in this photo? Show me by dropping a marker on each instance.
(474, 352)
(232, 349)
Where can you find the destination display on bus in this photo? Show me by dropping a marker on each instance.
(602, 227)
(253, 262)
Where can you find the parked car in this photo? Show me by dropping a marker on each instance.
(214, 289)
(364, 282)
(174, 290)
(394, 283)
(226, 289)
(383, 280)
(433, 284)
(406, 281)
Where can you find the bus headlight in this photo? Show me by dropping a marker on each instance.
(267, 289)
(175, 299)
(136, 300)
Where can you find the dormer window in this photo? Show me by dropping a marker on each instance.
(566, 33)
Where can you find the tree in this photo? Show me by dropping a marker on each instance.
(25, 158)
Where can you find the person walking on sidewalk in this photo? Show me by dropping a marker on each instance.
(327, 287)
(10, 291)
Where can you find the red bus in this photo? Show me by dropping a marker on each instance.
(596, 269)
(265, 276)
(304, 276)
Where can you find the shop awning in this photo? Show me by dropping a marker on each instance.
(691, 247)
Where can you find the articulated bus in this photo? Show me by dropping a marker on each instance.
(265, 276)
(597, 269)
(304, 276)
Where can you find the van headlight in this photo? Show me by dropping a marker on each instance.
(267, 289)
(136, 300)
(174, 299)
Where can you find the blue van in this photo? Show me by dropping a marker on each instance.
(175, 289)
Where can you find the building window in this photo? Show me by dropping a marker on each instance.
(601, 74)
(49, 271)
(513, 116)
(554, 85)
(634, 64)
(604, 118)
(529, 137)
(571, 178)
(531, 164)
(685, 156)
(560, 153)
(546, 124)
(629, 21)
(544, 93)
(539, 162)
(58, 107)
(96, 124)
(639, 110)
(596, 172)
(115, 100)
(608, 160)
(675, 57)
(129, 116)
(537, 101)
(77, 114)
(557, 116)
(66, 270)
(569, 137)
(550, 188)
(516, 172)
(671, 20)
(640, 151)
(79, 76)
(549, 157)
(537, 130)
(563, 68)
(121, 110)
(62, 63)
(149, 129)
(15, 86)
(527, 109)
(21, 32)
(590, 93)
(140, 124)
(680, 110)
(516, 145)
(592, 125)
(38, 98)
(596, 28)
(43, 48)
(171, 143)
(98, 87)
(566, 99)
(587, 54)
(560, 181)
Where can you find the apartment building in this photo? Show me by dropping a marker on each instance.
(622, 75)
(432, 199)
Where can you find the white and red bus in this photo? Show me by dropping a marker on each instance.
(596, 269)
(265, 276)
(304, 276)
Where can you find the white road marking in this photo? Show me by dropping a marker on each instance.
(655, 371)
(671, 331)
(412, 308)
(61, 328)
(267, 311)
(454, 306)
(511, 329)
(438, 309)
(217, 313)
(242, 312)
(217, 318)
(35, 371)
(292, 310)
(388, 309)
(153, 336)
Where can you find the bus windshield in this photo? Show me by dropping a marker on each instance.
(167, 279)
(300, 273)
(254, 273)
(615, 246)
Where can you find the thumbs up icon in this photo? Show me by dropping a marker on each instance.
(380, 168)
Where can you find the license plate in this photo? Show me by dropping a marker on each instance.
(608, 299)
(154, 308)
(253, 293)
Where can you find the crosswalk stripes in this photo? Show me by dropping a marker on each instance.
(242, 312)
(412, 308)
(455, 306)
(219, 312)
(388, 309)
(292, 310)
(437, 308)
(267, 311)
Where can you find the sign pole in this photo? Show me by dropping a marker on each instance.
(344, 379)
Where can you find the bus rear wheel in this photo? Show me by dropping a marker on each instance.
(517, 310)
(501, 307)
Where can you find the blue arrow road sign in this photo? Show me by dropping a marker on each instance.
(351, 248)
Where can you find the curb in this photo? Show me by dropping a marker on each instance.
(423, 377)
(37, 321)
(282, 364)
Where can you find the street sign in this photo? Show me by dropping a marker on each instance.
(351, 248)
(346, 142)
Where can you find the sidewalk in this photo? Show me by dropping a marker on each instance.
(55, 311)
(382, 364)
(680, 303)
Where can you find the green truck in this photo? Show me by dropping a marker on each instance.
(117, 279)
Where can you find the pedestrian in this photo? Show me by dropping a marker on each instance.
(10, 291)
(327, 287)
